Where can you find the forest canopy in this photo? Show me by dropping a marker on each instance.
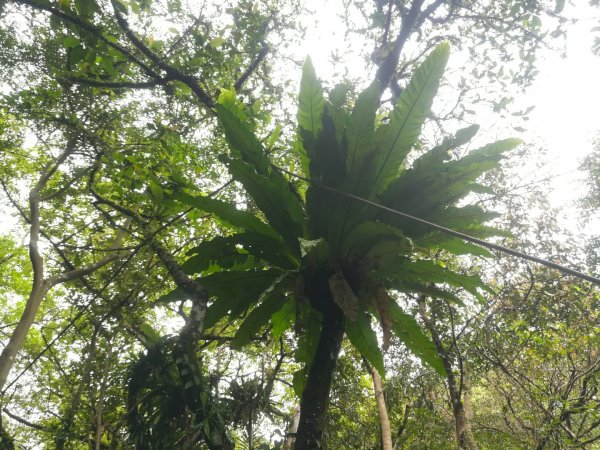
(213, 242)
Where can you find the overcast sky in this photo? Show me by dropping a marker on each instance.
(567, 98)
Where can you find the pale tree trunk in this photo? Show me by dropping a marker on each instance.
(463, 419)
(458, 389)
(289, 440)
(384, 420)
(402, 426)
(40, 289)
(41, 285)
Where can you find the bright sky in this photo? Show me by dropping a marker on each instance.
(567, 94)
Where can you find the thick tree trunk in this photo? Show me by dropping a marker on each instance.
(384, 420)
(315, 398)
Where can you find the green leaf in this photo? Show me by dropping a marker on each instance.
(299, 381)
(361, 128)
(363, 337)
(310, 109)
(425, 271)
(429, 290)
(327, 157)
(221, 250)
(235, 291)
(375, 241)
(433, 184)
(151, 335)
(76, 55)
(228, 213)
(414, 104)
(338, 95)
(409, 332)
(70, 42)
(257, 319)
(326, 209)
(310, 100)
(272, 195)
(228, 251)
(108, 66)
(156, 190)
(241, 139)
(229, 101)
(438, 240)
(464, 135)
(465, 218)
(216, 42)
(273, 136)
(315, 253)
(272, 251)
(85, 7)
(282, 319)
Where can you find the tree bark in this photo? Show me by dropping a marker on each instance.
(384, 420)
(38, 292)
(41, 286)
(457, 389)
(289, 440)
(315, 398)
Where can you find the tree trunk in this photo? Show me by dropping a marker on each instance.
(384, 420)
(457, 389)
(289, 440)
(17, 338)
(461, 407)
(315, 398)
(464, 435)
(41, 286)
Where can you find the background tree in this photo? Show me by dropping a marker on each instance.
(138, 98)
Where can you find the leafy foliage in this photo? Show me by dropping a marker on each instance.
(353, 248)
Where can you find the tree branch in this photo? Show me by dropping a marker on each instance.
(91, 29)
(252, 67)
(171, 71)
(25, 422)
(122, 84)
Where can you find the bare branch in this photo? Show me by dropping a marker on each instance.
(25, 422)
(122, 84)
(252, 67)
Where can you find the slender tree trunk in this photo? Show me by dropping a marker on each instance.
(17, 338)
(402, 426)
(289, 441)
(39, 289)
(315, 398)
(384, 420)
(41, 286)
(62, 437)
(457, 389)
